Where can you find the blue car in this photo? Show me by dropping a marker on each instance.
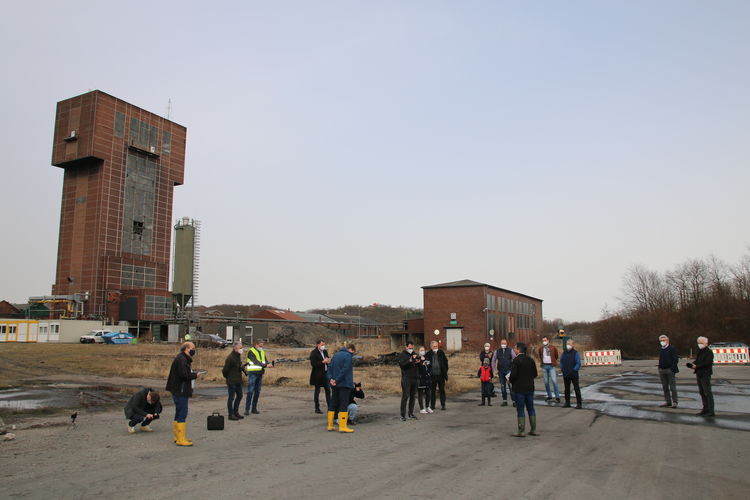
(118, 338)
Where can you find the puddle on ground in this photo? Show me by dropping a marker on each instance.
(59, 396)
(638, 395)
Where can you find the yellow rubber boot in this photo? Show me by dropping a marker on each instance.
(343, 419)
(175, 430)
(181, 439)
(330, 420)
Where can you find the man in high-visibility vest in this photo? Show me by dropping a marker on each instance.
(255, 367)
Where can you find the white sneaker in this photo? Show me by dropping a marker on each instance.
(423, 411)
(146, 428)
(429, 410)
(131, 430)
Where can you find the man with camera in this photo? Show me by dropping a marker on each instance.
(143, 407)
(180, 383)
(409, 362)
(703, 369)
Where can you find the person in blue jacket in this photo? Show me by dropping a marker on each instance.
(341, 379)
(570, 364)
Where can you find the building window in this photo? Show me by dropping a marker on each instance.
(166, 142)
(119, 124)
(138, 227)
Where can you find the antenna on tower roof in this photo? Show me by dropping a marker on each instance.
(169, 109)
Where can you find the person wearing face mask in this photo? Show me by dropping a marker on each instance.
(668, 359)
(548, 356)
(522, 375)
(232, 372)
(501, 360)
(256, 364)
(703, 369)
(486, 352)
(180, 384)
(319, 361)
(409, 363)
(439, 371)
(570, 364)
(424, 385)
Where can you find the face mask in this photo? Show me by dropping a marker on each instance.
(241, 351)
(701, 346)
(191, 352)
(545, 343)
(434, 350)
(322, 348)
(663, 344)
(487, 349)
(421, 353)
(260, 348)
(410, 350)
(503, 345)
(569, 347)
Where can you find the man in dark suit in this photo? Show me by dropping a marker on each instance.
(439, 369)
(522, 375)
(409, 363)
(703, 368)
(319, 361)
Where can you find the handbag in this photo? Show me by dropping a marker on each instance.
(215, 422)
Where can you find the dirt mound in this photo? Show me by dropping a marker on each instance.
(301, 335)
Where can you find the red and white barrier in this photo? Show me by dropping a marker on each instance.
(731, 355)
(611, 357)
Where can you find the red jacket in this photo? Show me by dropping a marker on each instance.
(485, 373)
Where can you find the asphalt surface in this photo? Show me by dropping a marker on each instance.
(466, 451)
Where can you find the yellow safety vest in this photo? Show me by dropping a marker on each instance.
(260, 356)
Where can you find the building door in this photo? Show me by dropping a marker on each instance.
(453, 338)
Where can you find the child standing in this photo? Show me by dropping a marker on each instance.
(485, 375)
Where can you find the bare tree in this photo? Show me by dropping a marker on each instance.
(645, 290)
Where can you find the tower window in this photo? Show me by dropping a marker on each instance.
(137, 227)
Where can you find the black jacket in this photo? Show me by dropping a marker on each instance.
(232, 370)
(181, 376)
(356, 393)
(435, 358)
(668, 358)
(424, 369)
(318, 372)
(704, 363)
(522, 373)
(138, 406)
(408, 365)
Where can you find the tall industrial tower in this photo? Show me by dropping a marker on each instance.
(121, 165)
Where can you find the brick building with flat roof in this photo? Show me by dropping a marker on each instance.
(467, 314)
(121, 164)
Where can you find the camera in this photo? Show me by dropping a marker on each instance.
(156, 416)
(689, 365)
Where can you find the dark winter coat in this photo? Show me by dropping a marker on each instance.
(356, 393)
(704, 363)
(435, 358)
(340, 369)
(522, 373)
(408, 365)
(570, 363)
(232, 370)
(502, 359)
(424, 370)
(179, 381)
(138, 406)
(318, 372)
(668, 358)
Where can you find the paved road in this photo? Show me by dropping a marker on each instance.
(466, 451)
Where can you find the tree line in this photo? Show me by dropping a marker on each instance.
(698, 297)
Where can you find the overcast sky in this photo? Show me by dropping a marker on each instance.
(344, 152)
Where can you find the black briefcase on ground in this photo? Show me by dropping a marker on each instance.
(215, 422)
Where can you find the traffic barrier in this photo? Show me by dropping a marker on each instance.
(731, 355)
(600, 358)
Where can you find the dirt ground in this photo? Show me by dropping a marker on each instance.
(466, 451)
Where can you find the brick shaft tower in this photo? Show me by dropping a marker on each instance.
(121, 165)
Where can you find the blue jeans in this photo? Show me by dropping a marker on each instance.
(549, 373)
(525, 399)
(234, 396)
(254, 382)
(503, 383)
(180, 408)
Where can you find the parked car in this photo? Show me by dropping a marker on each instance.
(210, 340)
(118, 338)
(94, 337)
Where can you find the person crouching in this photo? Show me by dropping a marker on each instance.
(143, 407)
(485, 376)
